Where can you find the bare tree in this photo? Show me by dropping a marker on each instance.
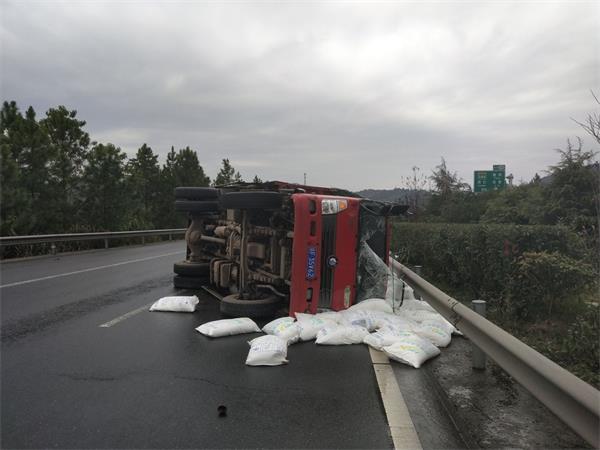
(415, 184)
(592, 122)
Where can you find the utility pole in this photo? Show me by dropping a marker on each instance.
(304, 178)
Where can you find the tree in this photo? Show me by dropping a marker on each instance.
(256, 180)
(69, 146)
(105, 195)
(523, 204)
(144, 171)
(166, 216)
(227, 174)
(31, 153)
(573, 191)
(188, 171)
(592, 122)
(13, 198)
(445, 182)
(8, 116)
(415, 184)
(180, 169)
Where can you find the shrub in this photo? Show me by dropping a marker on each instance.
(543, 279)
(480, 259)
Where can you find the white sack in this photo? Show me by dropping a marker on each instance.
(267, 351)
(341, 335)
(361, 318)
(328, 315)
(372, 304)
(285, 328)
(393, 321)
(420, 316)
(228, 327)
(270, 327)
(411, 350)
(176, 304)
(435, 332)
(311, 324)
(442, 323)
(289, 332)
(418, 305)
(385, 337)
(409, 293)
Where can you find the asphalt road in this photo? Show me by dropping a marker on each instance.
(150, 380)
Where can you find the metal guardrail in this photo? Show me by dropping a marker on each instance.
(46, 238)
(574, 401)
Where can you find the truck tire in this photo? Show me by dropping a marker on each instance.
(252, 200)
(196, 193)
(265, 307)
(194, 283)
(197, 207)
(191, 269)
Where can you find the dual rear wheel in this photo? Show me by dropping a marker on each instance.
(205, 201)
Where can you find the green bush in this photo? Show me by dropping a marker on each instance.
(482, 260)
(544, 282)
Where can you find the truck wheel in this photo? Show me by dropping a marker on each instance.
(264, 307)
(203, 207)
(191, 268)
(252, 200)
(196, 193)
(182, 282)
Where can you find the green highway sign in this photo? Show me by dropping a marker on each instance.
(490, 180)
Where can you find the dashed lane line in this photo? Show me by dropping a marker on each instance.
(125, 316)
(91, 269)
(402, 429)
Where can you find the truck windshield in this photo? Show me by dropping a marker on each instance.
(372, 271)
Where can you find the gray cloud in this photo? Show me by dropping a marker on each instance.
(353, 94)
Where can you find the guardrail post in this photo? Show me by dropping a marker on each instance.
(105, 243)
(170, 237)
(478, 357)
(143, 240)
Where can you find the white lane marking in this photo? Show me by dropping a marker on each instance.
(402, 429)
(125, 316)
(91, 269)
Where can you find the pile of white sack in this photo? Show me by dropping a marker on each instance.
(411, 332)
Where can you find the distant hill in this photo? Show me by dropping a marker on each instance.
(399, 195)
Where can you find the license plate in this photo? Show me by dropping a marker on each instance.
(311, 262)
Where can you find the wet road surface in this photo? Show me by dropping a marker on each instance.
(150, 380)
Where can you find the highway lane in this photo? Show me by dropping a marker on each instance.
(36, 286)
(150, 380)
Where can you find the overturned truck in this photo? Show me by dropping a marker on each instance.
(262, 247)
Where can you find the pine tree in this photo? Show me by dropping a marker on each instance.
(227, 175)
(188, 171)
(165, 207)
(144, 171)
(68, 146)
(27, 146)
(105, 192)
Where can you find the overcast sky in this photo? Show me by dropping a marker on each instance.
(354, 94)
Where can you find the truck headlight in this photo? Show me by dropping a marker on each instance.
(333, 206)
